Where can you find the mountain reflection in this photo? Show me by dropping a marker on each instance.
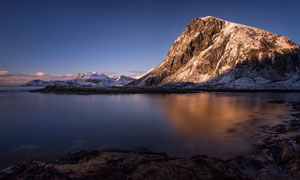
(218, 119)
(39, 125)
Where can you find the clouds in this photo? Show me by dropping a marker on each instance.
(3, 73)
(137, 74)
(40, 74)
(7, 78)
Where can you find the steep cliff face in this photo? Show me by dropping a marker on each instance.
(215, 51)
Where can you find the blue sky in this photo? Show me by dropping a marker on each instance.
(124, 37)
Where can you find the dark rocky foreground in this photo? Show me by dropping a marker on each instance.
(276, 155)
(126, 165)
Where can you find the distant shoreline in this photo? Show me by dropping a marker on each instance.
(150, 90)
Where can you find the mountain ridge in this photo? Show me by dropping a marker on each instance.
(87, 79)
(211, 48)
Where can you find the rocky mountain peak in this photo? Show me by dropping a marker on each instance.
(210, 47)
(198, 32)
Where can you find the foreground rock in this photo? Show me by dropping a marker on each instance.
(146, 165)
(126, 165)
(216, 53)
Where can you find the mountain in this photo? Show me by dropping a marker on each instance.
(37, 83)
(123, 80)
(217, 53)
(88, 79)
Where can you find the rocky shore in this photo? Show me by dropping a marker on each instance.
(150, 90)
(115, 90)
(276, 155)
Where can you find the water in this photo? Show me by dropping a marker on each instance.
(46, 126)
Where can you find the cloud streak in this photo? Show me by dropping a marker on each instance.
(7, 78)
(3, 73)
(136, 74)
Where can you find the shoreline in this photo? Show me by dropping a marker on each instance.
(151, 90)
(276, 155)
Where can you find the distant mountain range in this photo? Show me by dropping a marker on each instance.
(215, 53)
(88, 79)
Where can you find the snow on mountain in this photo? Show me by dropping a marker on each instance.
(88, 79)
(219, 53)
(37, 83)
(141, 75)
(123, 80)
(94, 75)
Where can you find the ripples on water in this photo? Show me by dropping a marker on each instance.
(45, 126)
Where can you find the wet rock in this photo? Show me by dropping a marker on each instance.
(276, 102)
(260, 142)
(297, 154)
(294, 125)
(126, 165)
(288, 152)
(281, 128)
(28, 170)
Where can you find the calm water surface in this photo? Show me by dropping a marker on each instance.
(46, 126)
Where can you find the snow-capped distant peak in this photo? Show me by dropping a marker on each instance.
(94, 75)
(87, 79)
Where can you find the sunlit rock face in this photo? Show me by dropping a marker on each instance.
(79, 75)
(218, 51)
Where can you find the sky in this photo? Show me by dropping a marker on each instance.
(59, 38)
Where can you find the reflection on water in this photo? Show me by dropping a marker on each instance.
(43, 126)
(217, 124)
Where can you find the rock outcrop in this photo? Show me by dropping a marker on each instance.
(79, 75)
(130, 165)
(213, 51)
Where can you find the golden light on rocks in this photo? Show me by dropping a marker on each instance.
(79, 75)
